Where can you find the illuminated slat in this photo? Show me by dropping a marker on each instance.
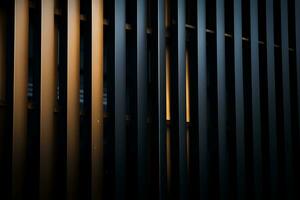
(198, 92)
(117, 93)
(97, 98)
(256, 115)
(168, 84)
(159, 74)
(239, 100)
(273, 152)
(287, 126)
(221, 92)
(47, 99)
(70, 92)
(178, 103)
(17, 94)
(187, 87)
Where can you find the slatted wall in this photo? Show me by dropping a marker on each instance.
(149, 99)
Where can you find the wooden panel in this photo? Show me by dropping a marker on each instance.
(273, 148)
(256, 115)
(18, 95)
(221, 93)
(178, 103)
(71, 93)
(97, 98)
(239, 101)
(287, 126)
(47, 99)
(198, 92)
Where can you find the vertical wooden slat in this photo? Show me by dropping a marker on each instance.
(18, 93)
(178, 104)
(273, 152)
(239, 101)
(287, 126)
(118, 93)
(198, 89)
(140, 94)
(221, 92)
(159, 60)
(70, 92)
(256, 115)
(297, 25)
(97, 98)
(47, 99)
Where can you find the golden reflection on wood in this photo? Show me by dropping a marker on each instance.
(47, 99)
(187, 88)
(73, 98)
(97, 98)
(168, 86)
(19, 104)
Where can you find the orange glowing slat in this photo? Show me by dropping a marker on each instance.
(47, 99)
(97, 98)
(168, 86)
(19, 96)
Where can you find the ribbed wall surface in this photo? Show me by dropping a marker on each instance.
(149, 99)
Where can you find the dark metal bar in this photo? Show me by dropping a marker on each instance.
(17, 93)
(3, 108)
(178, 103)
(198, 93)
(256, 115)
(239, 101)
(3, 26)
(287, 126)
(273, 149)
(140, 94)
(47, 98)
(159, 68)
(221, 92)
(297, 25)
(117, 93)
(96, 82)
